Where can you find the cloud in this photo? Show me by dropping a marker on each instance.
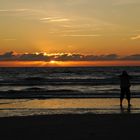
(46, 18)
(8, 56)
(33, 57)
(135, 37)
(85, 35)
(60, 20)
(102, 57)
(12, 56)
(13, 10)
(54, 19)
(36, 13)
(21, 13)
(132, 57)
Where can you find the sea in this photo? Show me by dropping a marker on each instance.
(68, 89)
(68, 81)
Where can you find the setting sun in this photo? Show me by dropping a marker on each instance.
(53, 62)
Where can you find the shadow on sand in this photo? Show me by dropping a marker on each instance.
(125, 109)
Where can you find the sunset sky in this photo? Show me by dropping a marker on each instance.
(65, 32)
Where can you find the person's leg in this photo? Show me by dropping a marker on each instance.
(121, 100)
(121, 97)
(129, 104)
(128, 96)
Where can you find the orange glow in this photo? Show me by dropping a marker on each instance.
(53, 62)
(67, 63)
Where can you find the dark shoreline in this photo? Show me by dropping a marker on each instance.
(71, 127)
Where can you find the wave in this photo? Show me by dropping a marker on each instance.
(34, 79)
(44, 81)
(66, 76)
(65, 82)
(58, 94)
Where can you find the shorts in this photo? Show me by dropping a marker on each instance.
(125, 91)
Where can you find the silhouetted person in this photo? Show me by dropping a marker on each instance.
(125, 87)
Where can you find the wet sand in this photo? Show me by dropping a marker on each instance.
(71, 127)
(28, 107)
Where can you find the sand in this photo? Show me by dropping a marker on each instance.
(71, 127)
(107, 122)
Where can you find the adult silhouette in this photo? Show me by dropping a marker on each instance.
(125, 87)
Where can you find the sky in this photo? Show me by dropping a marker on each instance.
(69, 30)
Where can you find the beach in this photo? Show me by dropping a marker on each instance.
(67, 104)
(69, 127)
(69, 119)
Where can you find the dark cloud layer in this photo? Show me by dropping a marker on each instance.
(11, 56)
(132, 57)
